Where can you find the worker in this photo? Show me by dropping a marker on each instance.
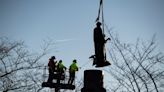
(61, 67)
(60, 70)
(52, 68)
(99, 43)
(72, 69)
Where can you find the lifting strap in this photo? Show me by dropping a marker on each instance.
(97, 19)
(100, 11)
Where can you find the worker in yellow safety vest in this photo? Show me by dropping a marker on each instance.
(72, 69)
(60, 70)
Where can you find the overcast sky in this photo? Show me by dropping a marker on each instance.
(70, 23)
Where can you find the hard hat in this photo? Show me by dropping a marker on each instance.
(74, 60)
(60, 61)
(53, 57)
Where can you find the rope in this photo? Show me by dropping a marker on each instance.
(100, 11)
(102, 17)
(97, 19)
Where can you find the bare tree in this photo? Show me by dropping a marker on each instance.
(136, 68)
(20, 69)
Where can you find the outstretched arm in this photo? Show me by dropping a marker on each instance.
(107, 39)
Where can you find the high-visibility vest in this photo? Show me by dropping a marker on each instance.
(61, 67)
(73, 67)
